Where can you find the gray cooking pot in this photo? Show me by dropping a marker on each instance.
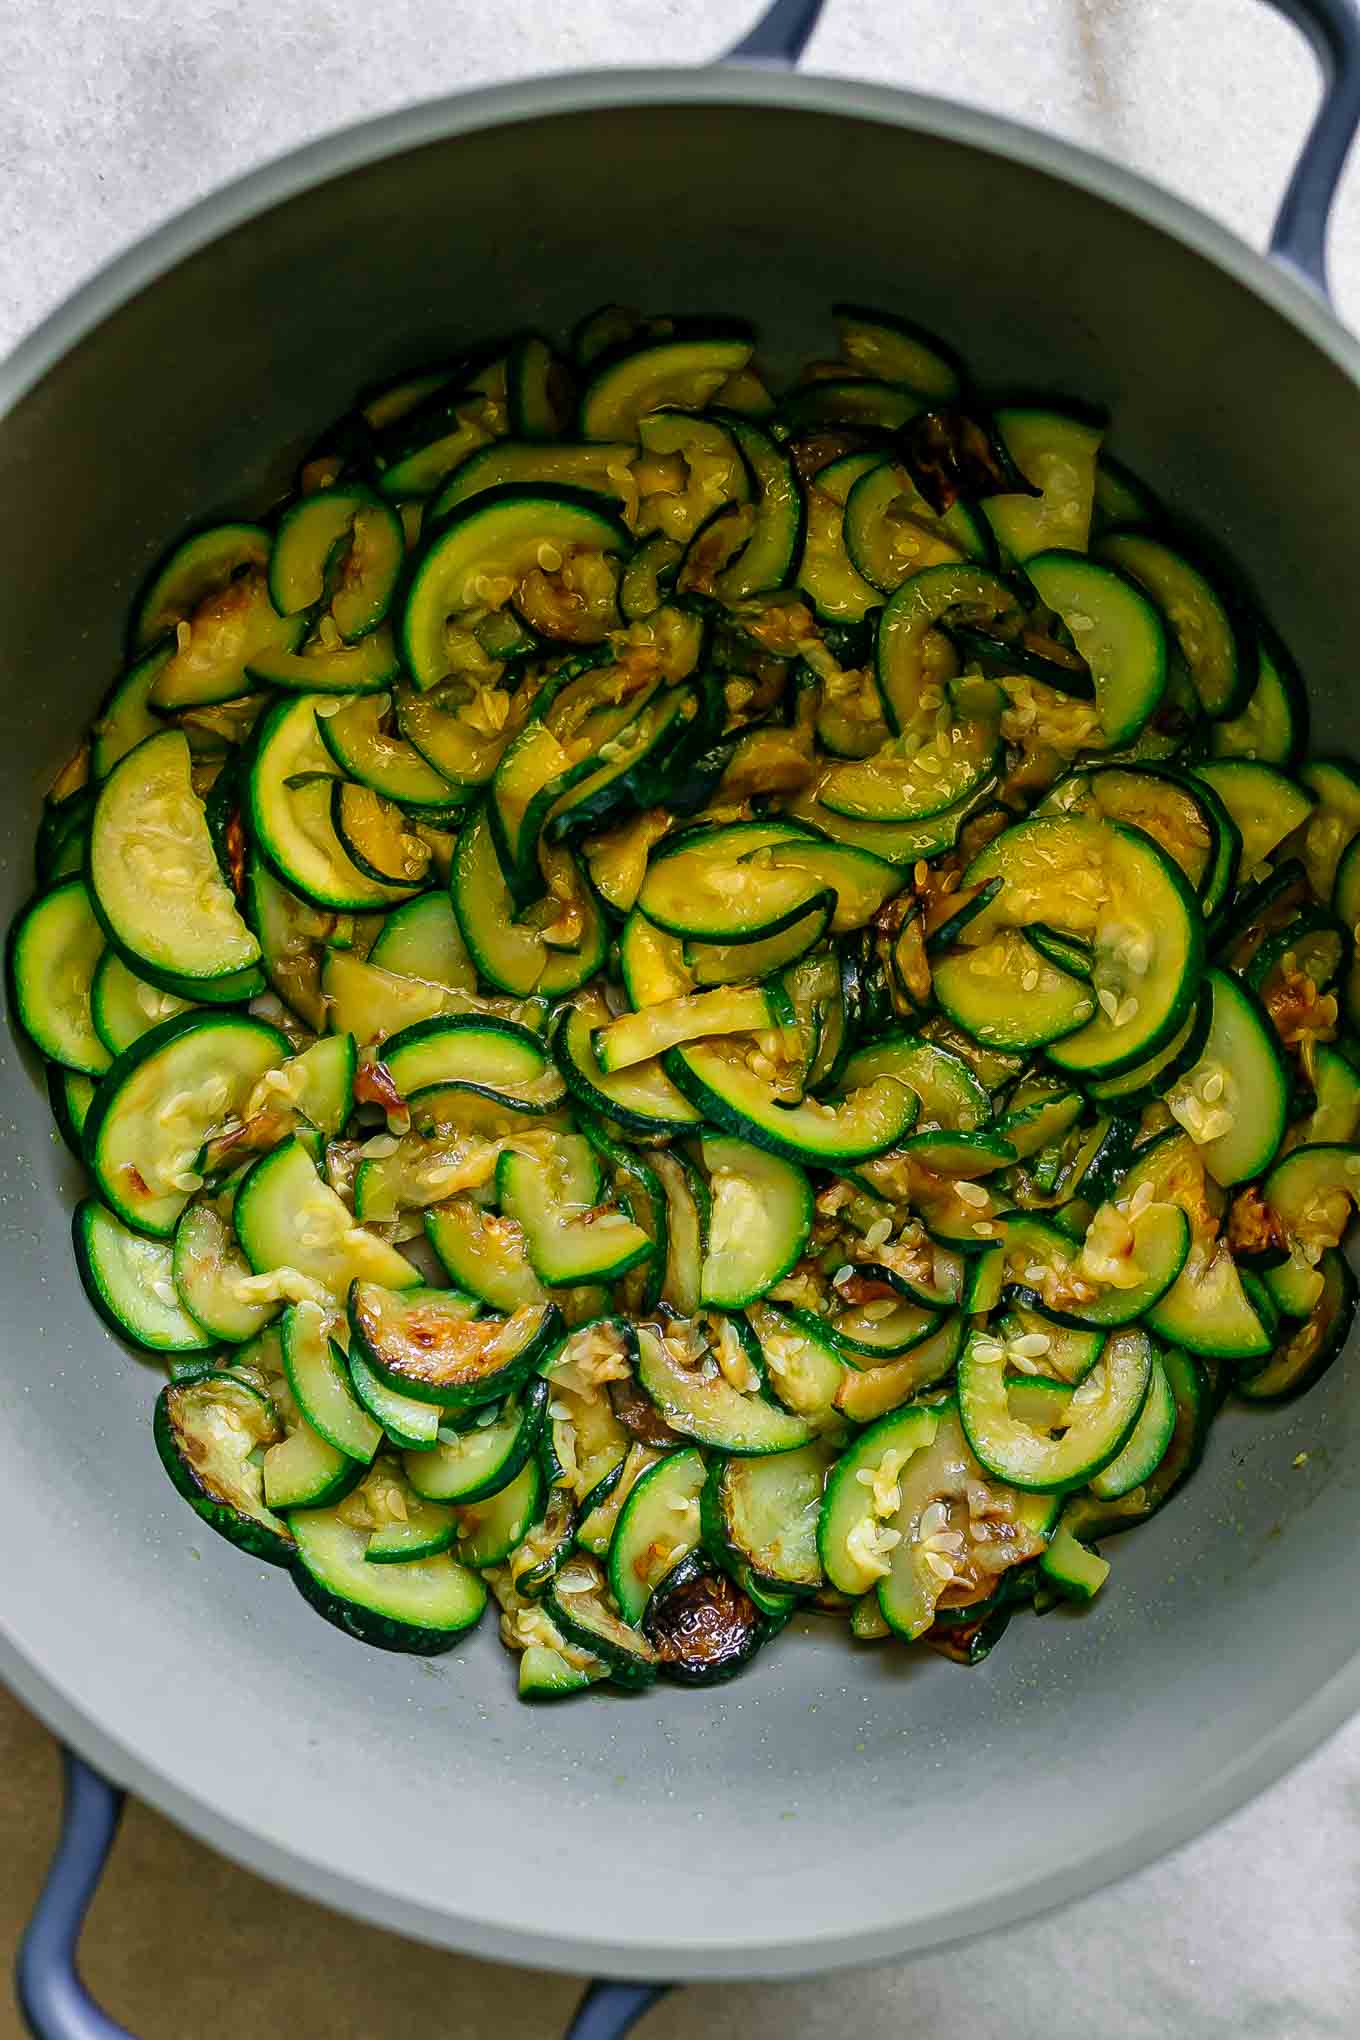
(835, 1806)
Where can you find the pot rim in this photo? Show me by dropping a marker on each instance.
(1141, 1839)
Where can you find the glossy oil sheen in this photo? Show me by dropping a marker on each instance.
(837, 1804)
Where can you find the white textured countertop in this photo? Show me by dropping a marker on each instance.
(113, 115)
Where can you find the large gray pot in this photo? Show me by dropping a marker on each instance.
(835, 1806)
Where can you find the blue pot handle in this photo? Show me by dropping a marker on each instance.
(54, 2001)
(781, 34)
(1299, 239)
(609, 2010)
(56, 2004)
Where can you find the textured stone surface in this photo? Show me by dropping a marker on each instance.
(114, 115)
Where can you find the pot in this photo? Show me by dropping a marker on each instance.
(836, 1808)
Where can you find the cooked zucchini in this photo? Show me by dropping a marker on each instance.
(428, 1345)
(211, 1433)
(807, 907)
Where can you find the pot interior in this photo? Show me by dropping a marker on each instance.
(836, 1803)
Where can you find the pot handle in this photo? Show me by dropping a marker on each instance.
(1298, 240)
(56, 2004)
(54, 2001)
(781, 34)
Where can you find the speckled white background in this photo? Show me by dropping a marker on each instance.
(114, 113)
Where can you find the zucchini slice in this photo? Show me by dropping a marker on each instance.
(494, 1058)
(949, 1535)
(773, 528)
(891, 531)
(751, 880)
(699, 1402)
(910, 781)
(761, 1517)
(641, 1037)
(289, 803)
(881, 344)
(1127, 1263)
(1274, 724)
(54, 952)
(467, 1466)
(1335, 821)
(217, 643)
(201, 565)
(124, 1006)
(209, 1270)
(320, 669)
(515, 955)
(1213, 641)
(422, 940)
(1056, 453)
(1114, 887)
(658, 1527)
(211, 1434)
(1265, 803)
(862, 1121)
(759, 1223)
(1308, 1350)
(70, 1095)
(1077, 1572)
(1147, 1444)
(1234, 1101)
(680, 374)
(365, 751)
(605, 469)
(641, 1099)
(1118, 632)
(429, 1348)
(1184, 816)
(161, 1100)
(302, 1471)
(1311, 1192)
(577, 1603)
(908, 631)
(127, 718)
(130, 1281)
(484, 1255)
(1007, 994)
(302, 1240)
(570, 1236)
(680, 494)
(490, 1529)
(342, 549)
(1336, 1108)
(317, 1374)
(827, 575)
(805, 1371)
(850, 1540)
(411, 1426)
(421, 1607)
(485, 551)
(1099, 1418)
(153, 872)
